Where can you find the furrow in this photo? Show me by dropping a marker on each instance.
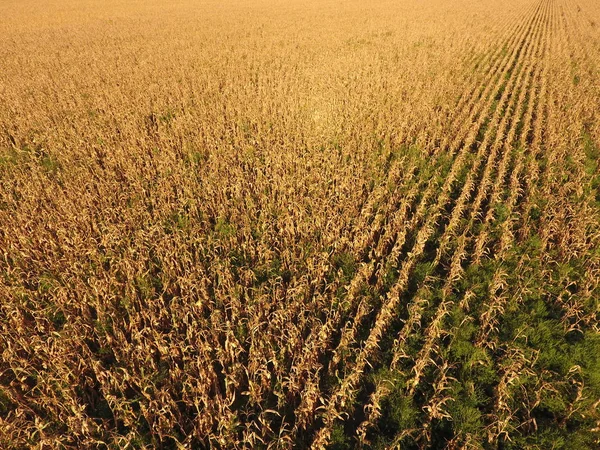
(363, 274)
(433, 330)
(339, 400)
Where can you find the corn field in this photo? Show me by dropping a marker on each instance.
(300, 224)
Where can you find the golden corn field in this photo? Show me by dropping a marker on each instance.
(300, 224)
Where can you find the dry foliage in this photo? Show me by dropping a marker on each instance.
(276, 224)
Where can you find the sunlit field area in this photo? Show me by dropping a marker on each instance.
(300, 224)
